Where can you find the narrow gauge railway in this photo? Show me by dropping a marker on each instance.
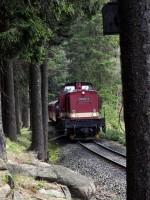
(54, 134)
(110, 149)
(106, 153)
(56, 138)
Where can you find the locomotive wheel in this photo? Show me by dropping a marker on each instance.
(71, 137)
(97, 136)
(104, 129)
(71, 134)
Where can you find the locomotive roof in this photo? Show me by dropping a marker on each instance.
(82, 83)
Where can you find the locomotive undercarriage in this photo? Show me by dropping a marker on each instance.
(83, 133)
(81, 129)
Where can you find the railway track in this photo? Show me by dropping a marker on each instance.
(55, 134)
(110, 149)
(105, 152)
(56, 138)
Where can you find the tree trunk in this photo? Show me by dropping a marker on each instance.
(17, 106)
(36, 110)
(44, 91)
(25, 111)
(9, 102)
(25, 105)
(3, 99)
(135, 57)
(2, 137)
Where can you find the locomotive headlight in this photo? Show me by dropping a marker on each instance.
(83, 92)
(94, 112)
(73, 113)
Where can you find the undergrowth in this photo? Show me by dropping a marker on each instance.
(53, 152)
(22, 144)
(112, 110)
(19, 150)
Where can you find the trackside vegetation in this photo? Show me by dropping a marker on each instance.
(18, 151)
(112, 109)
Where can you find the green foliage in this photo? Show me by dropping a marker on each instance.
(30, 26)
(58, 71)
(92, 56)
(9, 38)
(35, 35)
(24, 31)
(112, 107)
(113, 134)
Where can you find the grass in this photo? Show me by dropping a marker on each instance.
(28, 182)
(22, 144)
(18, 151)
(53, 152)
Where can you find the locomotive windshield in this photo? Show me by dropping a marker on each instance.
(71, 88)
(87, 87)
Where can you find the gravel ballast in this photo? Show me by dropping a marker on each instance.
(109, 179)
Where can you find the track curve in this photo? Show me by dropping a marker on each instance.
(105, 153)
(109, 149)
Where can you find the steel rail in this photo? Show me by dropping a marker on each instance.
(111, 150)
(56, 138)
(103, 156)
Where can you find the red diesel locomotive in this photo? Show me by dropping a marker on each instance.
(76, 111)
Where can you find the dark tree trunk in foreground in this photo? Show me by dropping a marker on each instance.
(36, 110)
(9, 102)
(44, 91)
(135, 57)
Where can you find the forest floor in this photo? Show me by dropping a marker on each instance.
(110, 183)
(27, 187)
